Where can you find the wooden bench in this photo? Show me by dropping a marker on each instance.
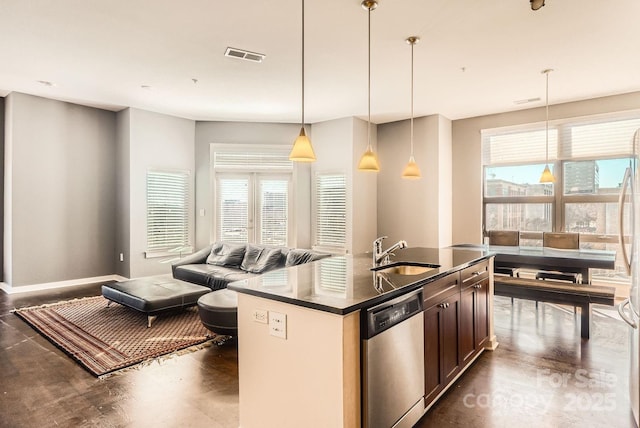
(580, 295)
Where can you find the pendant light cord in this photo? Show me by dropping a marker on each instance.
(302, 120)
(369, 87)
(547, 125)
(412, 43)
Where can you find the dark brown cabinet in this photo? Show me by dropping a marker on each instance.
(474, 302)
(441, 326)
(456, 325)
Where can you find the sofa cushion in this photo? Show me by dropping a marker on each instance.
(297, 256)
(226, 254)
(260, 259)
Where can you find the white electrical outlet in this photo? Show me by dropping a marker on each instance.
(278, 324)
(261, 316)
(121, 257)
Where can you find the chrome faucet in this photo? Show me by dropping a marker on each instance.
(382, 257)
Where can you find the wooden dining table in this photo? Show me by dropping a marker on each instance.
(550, 259)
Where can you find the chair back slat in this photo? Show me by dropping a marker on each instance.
(509, 238)
(561, 240)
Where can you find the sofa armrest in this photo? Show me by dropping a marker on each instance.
(198, 257)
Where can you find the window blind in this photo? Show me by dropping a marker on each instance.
(233, 209)
(167, 210)
(574, 139)
(599, 139)
(260, 159)
(274, 209)
(331, 210)
(518, 147)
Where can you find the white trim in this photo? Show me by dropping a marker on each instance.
(59, 284)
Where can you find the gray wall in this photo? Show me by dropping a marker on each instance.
(418, 211)
(60, 191)
(123, 195)
(208, 133)
(154, 141)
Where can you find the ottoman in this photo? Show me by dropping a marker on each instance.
(154, 294)
(219, 311)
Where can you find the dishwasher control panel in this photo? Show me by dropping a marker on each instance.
(387, 314)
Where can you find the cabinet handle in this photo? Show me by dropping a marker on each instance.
(477, 273)
(443, 305)
(477, 286)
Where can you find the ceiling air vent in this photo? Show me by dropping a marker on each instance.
(242, 54)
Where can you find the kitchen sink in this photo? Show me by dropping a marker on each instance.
(405, 268)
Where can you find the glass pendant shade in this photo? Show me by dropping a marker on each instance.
(369, 161)
(302, 150)
(411, 171)
(536, 4)
(547, 176)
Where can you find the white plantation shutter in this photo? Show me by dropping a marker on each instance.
(274, 211)
(518, 147)
(570, 139)
(167, 210)
(331, 210)
(612, 138)
(256, 160)
(233, 209)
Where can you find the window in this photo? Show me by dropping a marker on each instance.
(252, 194)
(330, 211)
(168, 212)
(588, 158)
(253, 208)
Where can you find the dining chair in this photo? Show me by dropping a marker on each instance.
(564, 241)
(508, 238)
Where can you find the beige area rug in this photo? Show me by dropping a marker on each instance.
(105, 339)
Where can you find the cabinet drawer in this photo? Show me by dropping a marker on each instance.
(474, 273)
(440, 289)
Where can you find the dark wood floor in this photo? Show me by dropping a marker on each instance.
(541, 375)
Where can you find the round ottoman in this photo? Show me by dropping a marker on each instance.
(218, 311)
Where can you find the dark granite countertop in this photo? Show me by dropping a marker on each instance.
(345, 284)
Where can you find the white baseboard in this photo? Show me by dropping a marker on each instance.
(60, 284)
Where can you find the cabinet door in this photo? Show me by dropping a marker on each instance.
(450, 342)
(468, 317)
(441, 347)
(474, 323)
(481, 313)
(433, 379)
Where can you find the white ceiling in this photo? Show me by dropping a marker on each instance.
(474, 58)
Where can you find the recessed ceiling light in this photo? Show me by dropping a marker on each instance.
(242, 54)
(46, 83)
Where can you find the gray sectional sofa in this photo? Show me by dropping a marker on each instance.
(221, 263)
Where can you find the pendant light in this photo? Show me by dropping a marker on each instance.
(411, 171)
(547, 176)
(302, 150)
(369, 160)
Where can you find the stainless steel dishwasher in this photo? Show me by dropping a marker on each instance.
(393, 363)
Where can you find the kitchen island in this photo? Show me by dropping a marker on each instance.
(299, 332)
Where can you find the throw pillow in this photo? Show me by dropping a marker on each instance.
(226, 255)
(259, 260)
(297, 257)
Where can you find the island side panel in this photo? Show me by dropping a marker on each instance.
(492, 343)
(311, 378)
